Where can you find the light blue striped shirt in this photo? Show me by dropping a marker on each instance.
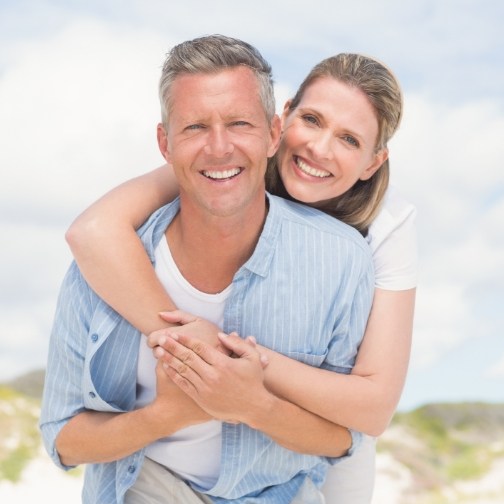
(305, 292)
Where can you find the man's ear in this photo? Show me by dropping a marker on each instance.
(162, 140)
(379, 158)
(275, 134)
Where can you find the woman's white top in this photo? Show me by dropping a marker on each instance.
(392, 238)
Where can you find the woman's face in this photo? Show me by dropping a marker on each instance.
(328, 141)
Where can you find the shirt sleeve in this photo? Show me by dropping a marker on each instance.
(393, 241)
(352, 312)
(62, 397)
(349, 332)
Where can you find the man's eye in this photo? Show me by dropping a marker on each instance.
(240, 123)
(193, 127)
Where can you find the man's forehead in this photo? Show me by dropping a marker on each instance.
(225, 80)
(239, 111)
(232, 93)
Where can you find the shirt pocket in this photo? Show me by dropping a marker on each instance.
(312, 359)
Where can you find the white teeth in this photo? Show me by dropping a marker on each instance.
(221, 174)
(314, 172)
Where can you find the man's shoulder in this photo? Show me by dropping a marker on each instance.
(154, 227)
(315, 222)
(159, 217)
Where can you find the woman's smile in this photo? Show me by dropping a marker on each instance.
(306, 168)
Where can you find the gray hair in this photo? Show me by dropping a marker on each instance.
(212, 54)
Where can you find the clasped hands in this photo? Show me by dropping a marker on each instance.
(223, 374)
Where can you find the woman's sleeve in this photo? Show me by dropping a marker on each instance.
(393, 241)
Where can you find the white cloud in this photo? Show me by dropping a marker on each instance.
(497, 370)
(80, 110)
(448, 159)
(34, 260)
(446, 149)
(440, 318)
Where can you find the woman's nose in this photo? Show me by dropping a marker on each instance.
(321, 145)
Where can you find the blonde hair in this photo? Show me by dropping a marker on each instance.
(361, 203)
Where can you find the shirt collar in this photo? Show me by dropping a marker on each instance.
(259, 263)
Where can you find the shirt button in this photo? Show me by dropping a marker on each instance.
(131, 469)
(94, 338)
(92, 395)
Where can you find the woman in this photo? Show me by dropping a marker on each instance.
(333, 156)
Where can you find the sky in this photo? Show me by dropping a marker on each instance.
(78, 115)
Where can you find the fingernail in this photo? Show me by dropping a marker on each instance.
(222, 335)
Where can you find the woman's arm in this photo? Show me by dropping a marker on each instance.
(366, 399)
(111, 256)
(233, 389)
(113, 261)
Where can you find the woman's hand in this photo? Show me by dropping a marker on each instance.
(202, 329)
(227, 387)
(189, 325)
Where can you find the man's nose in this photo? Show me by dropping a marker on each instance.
(219, 143)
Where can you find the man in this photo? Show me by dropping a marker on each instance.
(244, 260)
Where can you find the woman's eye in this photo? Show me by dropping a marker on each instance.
(310, 119)
(351, 140)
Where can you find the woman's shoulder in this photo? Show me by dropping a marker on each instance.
(396, 212)
(393, 242)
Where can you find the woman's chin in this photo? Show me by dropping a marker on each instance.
(305, 197)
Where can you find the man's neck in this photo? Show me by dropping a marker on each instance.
(209, 250)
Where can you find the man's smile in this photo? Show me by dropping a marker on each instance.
(221, 174)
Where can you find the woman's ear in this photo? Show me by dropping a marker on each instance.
(285, 113)
(379, 158)
(275, 135)
(163, 142)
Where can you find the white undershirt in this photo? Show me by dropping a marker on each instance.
(193, 453)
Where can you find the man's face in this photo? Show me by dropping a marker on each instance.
(218, 140)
